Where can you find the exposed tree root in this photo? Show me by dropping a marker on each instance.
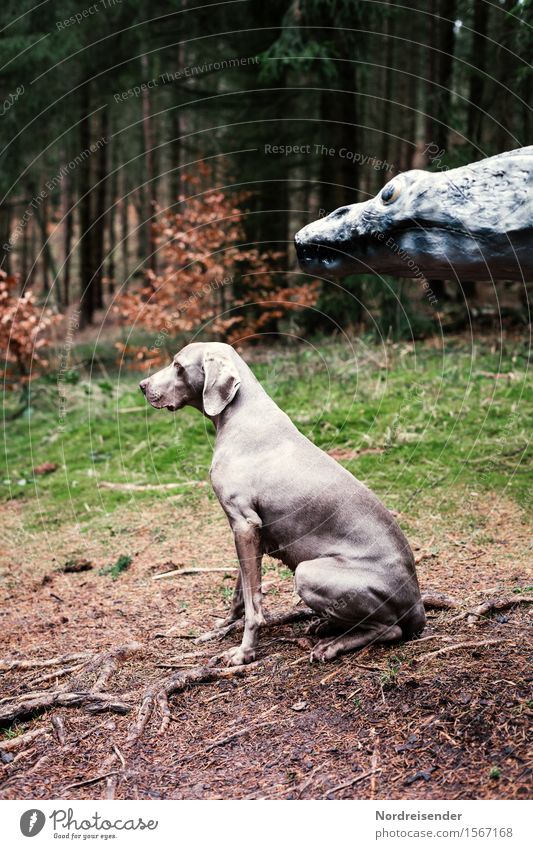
(438, 601)
(159, 693)
(105, 664)
(59, 728)
(298, 614)
(57, 673)
(27, 705)
(492, 604)
(74, 693)
(13, 665)
(22, 740)
(431, 601)
(83, 667)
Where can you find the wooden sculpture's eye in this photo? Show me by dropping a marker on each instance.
(391, 192)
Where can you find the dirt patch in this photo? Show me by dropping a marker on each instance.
(404, 721)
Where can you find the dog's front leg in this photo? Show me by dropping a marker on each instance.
(248, 545)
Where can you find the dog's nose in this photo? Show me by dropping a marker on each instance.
(143, 384)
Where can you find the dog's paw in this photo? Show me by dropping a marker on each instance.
(237, 656)
(325, 650)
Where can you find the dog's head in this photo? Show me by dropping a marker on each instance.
(204, 375)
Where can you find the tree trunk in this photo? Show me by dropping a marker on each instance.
(33, 252)
(339, 175)
(5, 233)
(42, 217)
(175, 155)
(440, 63)
(138, 199)
(441, 45)
(48, 265)
(87, 264)
(100, 211)
(149, 194)
(124, 228)
(477, 72)
(111, 224)
(388, 82)
(67, 216)
(25, 257)
(503, 106)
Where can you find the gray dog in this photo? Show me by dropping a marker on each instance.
(285, 497)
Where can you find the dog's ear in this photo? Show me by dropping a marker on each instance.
(221, 382)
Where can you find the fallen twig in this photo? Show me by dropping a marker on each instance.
(352, 782)
(191, 571)
(469, 645)
(89, 781)
(374, 765)
(120, 756)
(299, 790)
(240, 733)
(142, 487)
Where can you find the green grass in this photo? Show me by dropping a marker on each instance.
(432, 421)
(115, 570)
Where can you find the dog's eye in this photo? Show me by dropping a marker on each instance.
(178, 367)
(391, 192)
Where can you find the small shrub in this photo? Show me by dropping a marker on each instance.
(24, 331)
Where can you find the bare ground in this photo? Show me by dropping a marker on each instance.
(424, 719)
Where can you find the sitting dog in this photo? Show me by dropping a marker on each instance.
(285, 497)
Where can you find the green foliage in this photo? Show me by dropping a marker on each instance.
(389, 677)
(114, 571)
(292, 51)
(386, 307)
